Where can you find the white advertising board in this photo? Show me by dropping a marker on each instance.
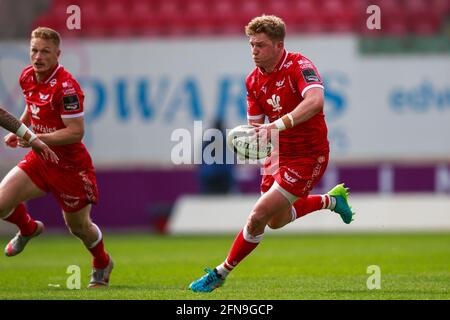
(139, 91)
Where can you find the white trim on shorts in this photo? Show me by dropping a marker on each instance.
(289, 196)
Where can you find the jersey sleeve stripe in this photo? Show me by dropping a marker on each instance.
(76, 115)
(311, 86)
(259, 116)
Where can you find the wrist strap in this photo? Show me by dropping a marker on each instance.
(280, 124)
(33, 136)
(22, 130)
(286, 119)
(291, 118)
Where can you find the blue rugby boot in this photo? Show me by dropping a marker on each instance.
(210, 281)
(340, 193)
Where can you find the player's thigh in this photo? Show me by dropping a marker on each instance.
(283, 216)
(271, 203)
(15, 188)
(79, 219)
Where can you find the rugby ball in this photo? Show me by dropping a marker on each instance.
(244, 144)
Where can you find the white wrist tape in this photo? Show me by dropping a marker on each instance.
(291, 118)
(279, 123)
(22, 130)
(32, 137)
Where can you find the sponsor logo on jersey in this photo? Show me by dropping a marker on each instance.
(70, 201)
(71, 103)
(289, 178)
(39, 128)
(88, 186)
(287, 64)
(43, 97)
(280, 84)
(305, 64)
(68, 88)
(34, 111)
(310, 76)
(69, 91)
(275, 103)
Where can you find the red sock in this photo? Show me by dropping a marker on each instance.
(22, 219)
(303, 206)
(239, 250)
(101, 258)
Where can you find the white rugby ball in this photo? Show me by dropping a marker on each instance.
(238, 140)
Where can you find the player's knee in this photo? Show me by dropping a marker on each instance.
(255, 223)
(5, 209)
(275, 225)
(79, 230)
(3, 213)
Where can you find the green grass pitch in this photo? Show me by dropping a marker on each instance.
(291, 267)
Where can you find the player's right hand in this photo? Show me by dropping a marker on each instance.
(11, 140)
(44, 150)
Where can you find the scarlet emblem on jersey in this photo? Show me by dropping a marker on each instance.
(275, 103)
(280, 84)
(310, 76)
(71, 103)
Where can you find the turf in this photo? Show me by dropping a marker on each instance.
(291, 267)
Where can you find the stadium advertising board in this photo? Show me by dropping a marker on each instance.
(139, 92)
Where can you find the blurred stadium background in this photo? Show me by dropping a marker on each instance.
(149, 67)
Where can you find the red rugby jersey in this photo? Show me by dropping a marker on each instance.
(278, 93)
(48, 102)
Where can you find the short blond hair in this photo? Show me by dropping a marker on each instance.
(273, 26)
(46, 34)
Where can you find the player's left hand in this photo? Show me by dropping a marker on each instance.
(44, 150)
